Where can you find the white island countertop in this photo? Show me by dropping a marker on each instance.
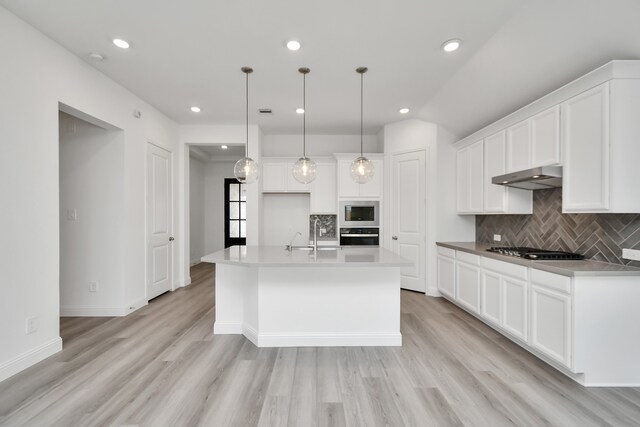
(278, 256)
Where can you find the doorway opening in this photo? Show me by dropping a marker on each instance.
(210, 226)
(91, 183)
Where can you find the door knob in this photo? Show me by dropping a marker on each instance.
(394, 237)
(171, 239)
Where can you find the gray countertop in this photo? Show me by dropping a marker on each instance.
(565, 268)
(278, 256)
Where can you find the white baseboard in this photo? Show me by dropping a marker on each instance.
(224, 328)
(101, 311)
(182, 283)
(433, 293)
(30, 358)
(330, 340)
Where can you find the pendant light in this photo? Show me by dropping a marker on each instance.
(246, 169)
(361, 167)
(304, 170)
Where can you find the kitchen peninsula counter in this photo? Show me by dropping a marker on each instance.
(345, 296)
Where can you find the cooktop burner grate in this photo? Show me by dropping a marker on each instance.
(535, 254)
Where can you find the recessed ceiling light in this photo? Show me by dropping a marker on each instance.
(224, 147)
(293, 45)
(451, 45)
(300, 110)
(122, 44)
(195, 109)
(404, 110)
(96, 57)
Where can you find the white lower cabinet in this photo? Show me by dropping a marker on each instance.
(579, 324)
(491, 297)
(514, 305)
(446, 276)
(468, 282)
(551, 323)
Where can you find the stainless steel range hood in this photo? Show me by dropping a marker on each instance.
(540, 178)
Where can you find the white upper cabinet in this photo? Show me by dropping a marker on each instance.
(494, 165)
(601, 140)
(470, 178)
(348, 188)
(545, 138)
(590, 127)
(277, 177)
(476, 165)
(323, 190)
(585, 124)
(519, 146)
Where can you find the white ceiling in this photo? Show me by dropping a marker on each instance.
(215, 153)
(190, 53)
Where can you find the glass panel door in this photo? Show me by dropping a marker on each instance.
(235, 213)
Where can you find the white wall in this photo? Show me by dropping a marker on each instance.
(318, 145)
(36, 75)
(442, 221)
(91, 246)
(196, 209)
(284, 215)
(214, 175)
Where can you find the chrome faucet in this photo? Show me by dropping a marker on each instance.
(315, 234)
(290, 245)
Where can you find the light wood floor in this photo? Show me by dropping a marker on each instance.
(162, 366)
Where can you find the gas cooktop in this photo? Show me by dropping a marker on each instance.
(535, 254)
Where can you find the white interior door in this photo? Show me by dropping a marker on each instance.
(159, 221)
(408, 225)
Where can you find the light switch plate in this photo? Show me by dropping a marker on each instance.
(497, 238)
(31, 325)
(93, 286)
(633, 254)
(72, 214)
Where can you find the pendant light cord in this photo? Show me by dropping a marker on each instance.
(361, 113)
(247, 113)
(304, 115)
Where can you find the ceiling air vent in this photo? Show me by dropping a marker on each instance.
(265, 111)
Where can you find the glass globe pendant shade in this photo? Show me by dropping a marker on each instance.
(246, 170)
(304, 170)
(362, 170)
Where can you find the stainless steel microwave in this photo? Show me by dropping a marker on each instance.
(359, 213)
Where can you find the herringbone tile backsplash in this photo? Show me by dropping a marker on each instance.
(597, 236)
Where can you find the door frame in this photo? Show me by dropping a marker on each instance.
(167, 148)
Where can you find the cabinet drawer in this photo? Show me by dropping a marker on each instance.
(467, 257)
(513, 270)
(550, 280)
(446, 252)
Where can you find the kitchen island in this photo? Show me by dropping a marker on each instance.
(304, 298)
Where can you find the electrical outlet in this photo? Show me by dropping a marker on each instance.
(323, 231)
(633, 254)
(497, 238)
(31, 325)
(93, 286)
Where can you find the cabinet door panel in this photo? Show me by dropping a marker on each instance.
(323, 190)
(446, 276)
(476, 176)
(468, 286)
(514, 307)
(545, 137)
(519, 147)
(585, 124)
(494, 165)
(373, 188)
(273, 177)
(491, 297)
(551, 323)
(462, 180)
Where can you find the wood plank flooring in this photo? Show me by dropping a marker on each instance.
(162, 366)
